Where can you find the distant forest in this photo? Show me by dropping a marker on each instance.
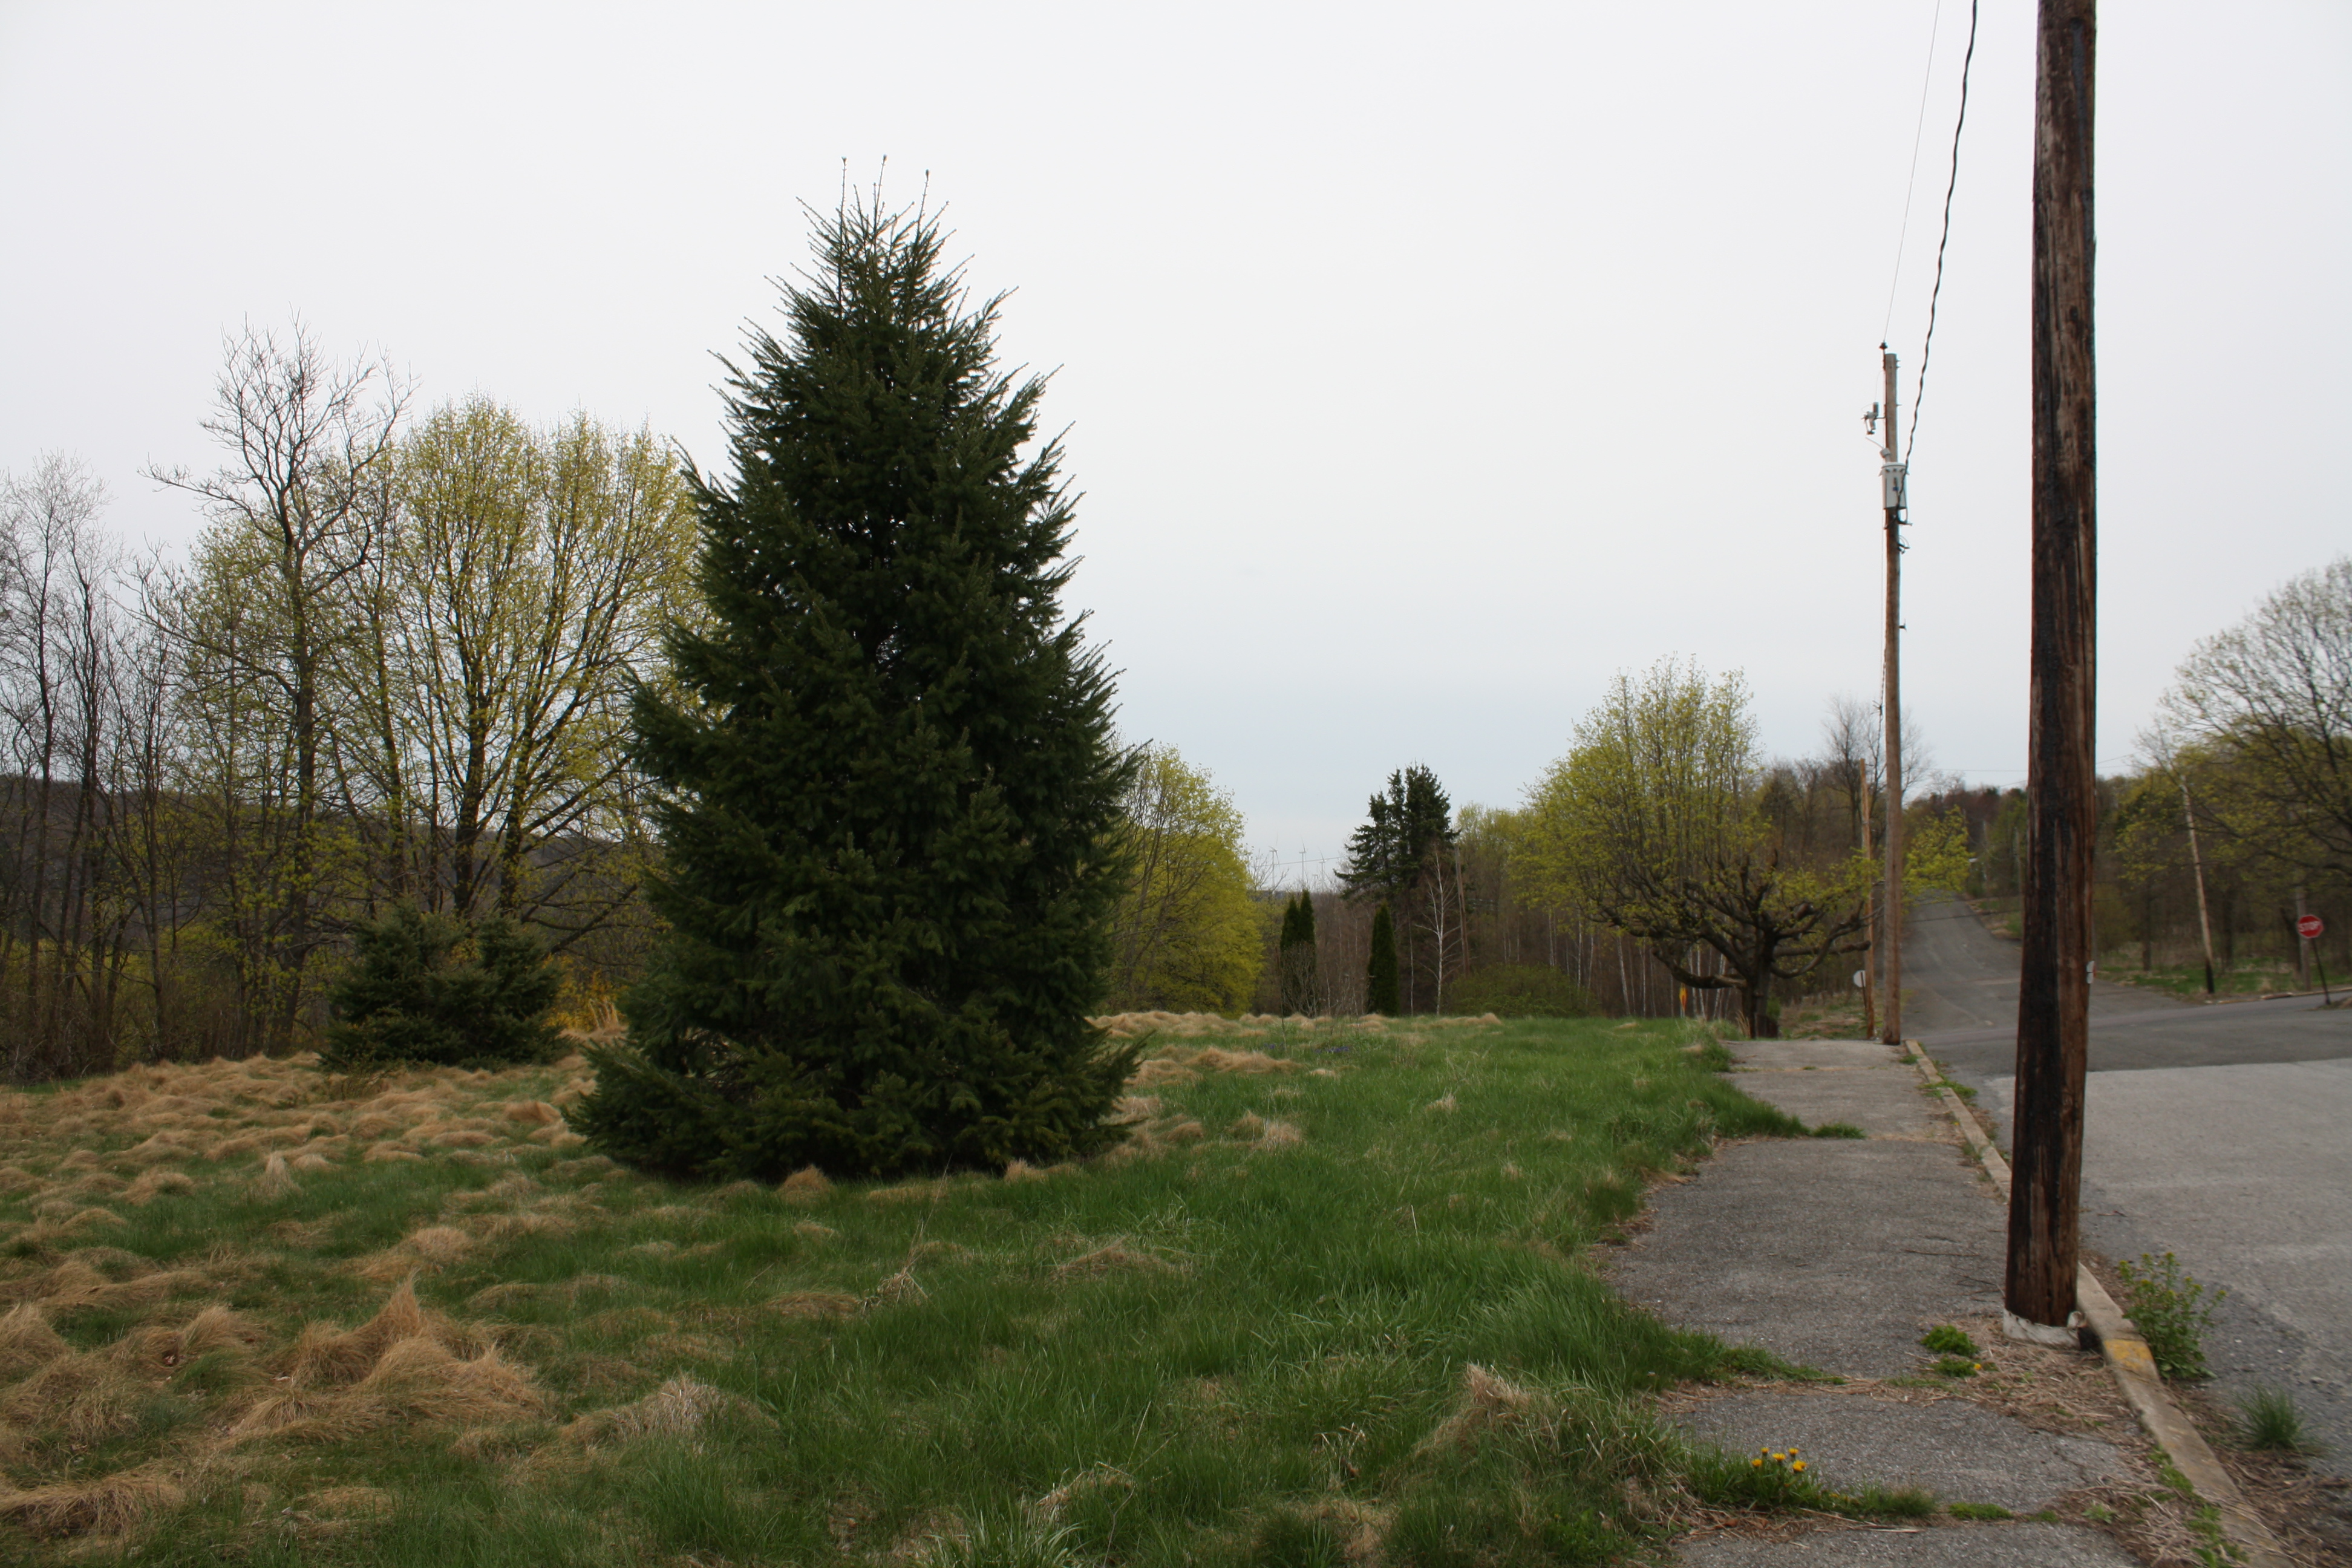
(396, 667)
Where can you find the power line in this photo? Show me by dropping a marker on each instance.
(1935, 29)
(1920, 393)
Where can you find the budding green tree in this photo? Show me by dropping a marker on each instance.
(1658, 822)
(1185, 936)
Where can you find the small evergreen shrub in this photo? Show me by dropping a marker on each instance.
(2172, 1310)
(437, 990)
(1520, 991)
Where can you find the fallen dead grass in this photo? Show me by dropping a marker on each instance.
(107, 1508)
(680, 1408)
(1115, 1258)
(1485, 1402)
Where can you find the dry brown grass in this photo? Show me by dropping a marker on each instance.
(153, 1184)
(1486, 1402)
(107, 1508)
(1101, 1478)
(27, 1340)
(276, 1181)
(154, 1350)
(85, 1397)
(74, 1286)
(414, 1379)
(679, 1408)
(1264, 1132)
(805, 1188)
(1115, 1258)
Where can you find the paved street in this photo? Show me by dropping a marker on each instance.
(2223, 1134)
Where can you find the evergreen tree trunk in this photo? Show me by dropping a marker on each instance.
(1381, 974)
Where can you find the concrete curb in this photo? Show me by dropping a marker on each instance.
(2128, 1359)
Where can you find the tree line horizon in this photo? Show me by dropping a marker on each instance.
(425, 658)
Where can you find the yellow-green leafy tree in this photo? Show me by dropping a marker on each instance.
(497, 636)
(1936, 852)
(1188, 937)
(1658, 823)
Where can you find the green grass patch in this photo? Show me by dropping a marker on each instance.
(1948, 1340)
(2269, 1418)
(2252, 978)
(1781, 1480)
(1839, 1129)
(1979, 1511)
(1332, 1294)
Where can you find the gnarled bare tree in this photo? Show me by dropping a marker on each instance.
(1662, 822)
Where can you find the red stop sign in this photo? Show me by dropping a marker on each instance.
(2308, 927)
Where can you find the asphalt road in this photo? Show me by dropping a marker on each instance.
(2222, 1133)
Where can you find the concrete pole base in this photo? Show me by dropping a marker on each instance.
(2068, 1338)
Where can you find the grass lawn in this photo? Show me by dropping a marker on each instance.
(1329, 1305)
(2253, 978)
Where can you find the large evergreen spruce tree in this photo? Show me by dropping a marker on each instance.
(886, 777)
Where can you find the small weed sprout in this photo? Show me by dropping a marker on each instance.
(1839, 1129)
(1946, 1339)
(2269, 1418)
(2173, 1310)
(1958, 1366)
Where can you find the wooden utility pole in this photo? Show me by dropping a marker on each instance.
(1891, 488)
(2196, 865)
(2061, 815)
(1869, 913)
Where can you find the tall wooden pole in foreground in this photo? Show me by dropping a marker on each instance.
(1892, 485)
(2062, 818)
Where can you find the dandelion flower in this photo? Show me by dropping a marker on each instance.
(1755, 1464)
(1798, 1466)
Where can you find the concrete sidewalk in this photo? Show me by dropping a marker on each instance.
(1837, 1255)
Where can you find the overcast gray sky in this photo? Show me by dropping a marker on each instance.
(1423, 365)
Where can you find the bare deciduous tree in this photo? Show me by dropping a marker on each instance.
(295, 518)
(2264, 710)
